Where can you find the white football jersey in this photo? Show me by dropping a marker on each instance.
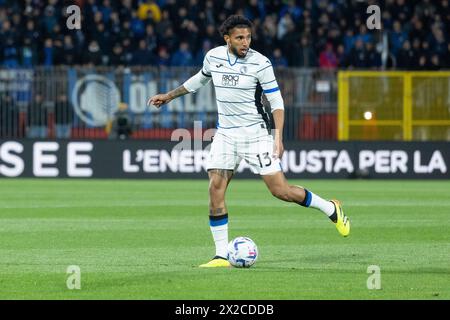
(239, 84)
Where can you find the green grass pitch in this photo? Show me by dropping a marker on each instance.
(145, 239)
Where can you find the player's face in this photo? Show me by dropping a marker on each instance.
(239, 41)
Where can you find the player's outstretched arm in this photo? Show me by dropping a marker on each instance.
(163, 98)
(191, 85)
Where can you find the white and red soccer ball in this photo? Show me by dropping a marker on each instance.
(242, 252)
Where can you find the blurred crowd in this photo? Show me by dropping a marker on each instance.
(299, 33)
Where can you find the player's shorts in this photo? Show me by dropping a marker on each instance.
(253, 144)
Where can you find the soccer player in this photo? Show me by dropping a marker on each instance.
(240, 76)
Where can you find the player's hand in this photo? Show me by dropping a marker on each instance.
(159, 99)
(278, 148)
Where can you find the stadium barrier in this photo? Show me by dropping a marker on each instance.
(401, 106)
(186, 159)
(83, 103)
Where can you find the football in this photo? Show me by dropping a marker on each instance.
(242, 252)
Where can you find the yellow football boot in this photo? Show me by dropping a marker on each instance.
(216, 262)
(342, 222)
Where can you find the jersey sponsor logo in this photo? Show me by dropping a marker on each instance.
(230, 80)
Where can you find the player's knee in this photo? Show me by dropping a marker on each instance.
(216, 189)
(215, 186)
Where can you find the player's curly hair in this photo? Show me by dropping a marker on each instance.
(233, 22)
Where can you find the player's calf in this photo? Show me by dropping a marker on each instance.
(282, 193)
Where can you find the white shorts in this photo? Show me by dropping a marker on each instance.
(253, 144)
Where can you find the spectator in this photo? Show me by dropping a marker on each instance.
(49, 53)
(288, 38)
(163, 59)
(170, 40)
(292, 9)
(357, 56)
(363, 34)
(125, 31)
(349, 41)
(70, 54)
(182, 57)
(57, 51)
(209, 12)
(50, 20)
(425, 49)
(425, 9)
(10, 54)
(251, 10)
(320, 40)
(31, 32)
(150, 38)
(117, 57)
(149, 10)
(341, 56)
(89, 9)
(373, 58)
(137, 26)
(438, 42)
(115, 25)
(93, 55)
(6, 32)
(163, 23)
(416, 48)
(278, 60)
(127, 51)
(402, 11)
(418, 30)
(397, 37)
(16, 23)
(37, 118)
(125, 10)
(269, 29)
(29, 56)
(143, 56)
(285, 25)
(406, 57)
(104, 38)
(63, 117)
(121, 127)
(106, 11)
(212, 35)
(435, 63)
(328, 58)
(200, 56)
(8, 116)
(424, 63)
(189, 33)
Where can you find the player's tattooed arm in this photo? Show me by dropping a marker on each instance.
(178, 92)
(163, 98)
